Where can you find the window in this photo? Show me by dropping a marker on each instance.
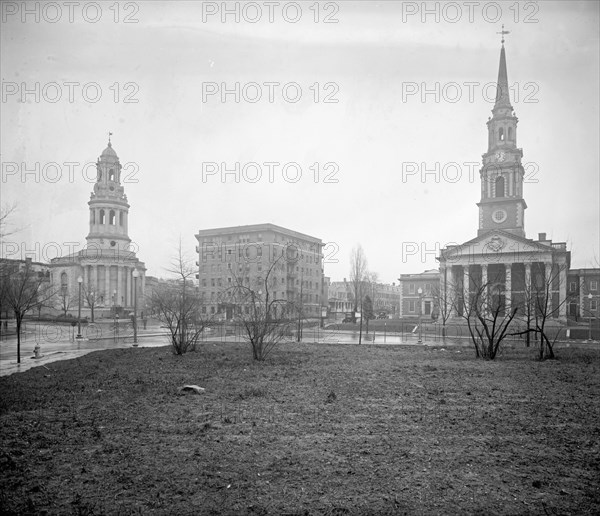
(593, 305)
(101, 216)
(64, 282)
(428, 288)
(501, 134)
(111, 174)
(411, 306)
(500, 186)
(111, 218)
(593, 285)
(572, 286)
(411, 288)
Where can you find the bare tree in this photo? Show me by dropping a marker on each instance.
(444, 303)
(488, 318)
(179, 305)
(23, 289)
(65, 299)
(358, 273)
(540, 308)
(91, 299)
(265, 319)
(6, 213)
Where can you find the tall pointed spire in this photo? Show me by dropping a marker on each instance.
(502, 93)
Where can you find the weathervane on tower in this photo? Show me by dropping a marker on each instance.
(503, 32)
(110, 134)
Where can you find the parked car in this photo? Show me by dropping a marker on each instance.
(383, 315)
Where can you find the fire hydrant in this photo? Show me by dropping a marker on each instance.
(36, 351)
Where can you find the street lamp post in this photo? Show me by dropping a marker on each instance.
(589, 296)
(135, 277)
(420, 292)
(80, 281)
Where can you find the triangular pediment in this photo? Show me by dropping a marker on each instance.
(497, 244)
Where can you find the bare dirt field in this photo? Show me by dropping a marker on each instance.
(314, 430)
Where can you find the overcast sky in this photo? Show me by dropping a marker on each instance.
(375, 62)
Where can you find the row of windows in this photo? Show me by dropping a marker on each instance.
(111, 219)
(592, 287)
(214, 268)
(412, 289)
(291, 296)
(219, 282)
(307, 310)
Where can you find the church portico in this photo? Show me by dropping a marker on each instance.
(509, 279)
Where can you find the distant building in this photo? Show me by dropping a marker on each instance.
(385, 297)
(243, 255)
(108, 265)
(583, 289)
(419, 293)
(341, 299)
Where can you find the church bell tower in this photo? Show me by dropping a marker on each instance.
(109, 209)
(502, 205)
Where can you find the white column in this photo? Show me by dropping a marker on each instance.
(528, 279)
(548, 282)
(443, 291)
(108, 300)
(450, 291)
(466, 287)
(508, 287)
(484, 274)
(581, 296)
(126, 286)
(562, 297)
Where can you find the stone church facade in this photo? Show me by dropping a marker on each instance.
(501, 256)
(108, 266)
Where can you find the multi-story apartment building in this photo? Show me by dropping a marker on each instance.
(291, 264)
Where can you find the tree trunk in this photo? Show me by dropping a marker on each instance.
(18, 318)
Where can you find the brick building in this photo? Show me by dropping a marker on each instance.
(292, 262)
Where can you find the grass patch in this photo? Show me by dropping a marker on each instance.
(316, 429)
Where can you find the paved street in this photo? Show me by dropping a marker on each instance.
(59, 343)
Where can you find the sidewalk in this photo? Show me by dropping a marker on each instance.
(65, 350)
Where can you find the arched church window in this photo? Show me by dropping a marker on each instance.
(500, 186)
(101, 216)
(111, 174)
(510, 133)
(120, 218)
(111, 218)
(501, 134)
